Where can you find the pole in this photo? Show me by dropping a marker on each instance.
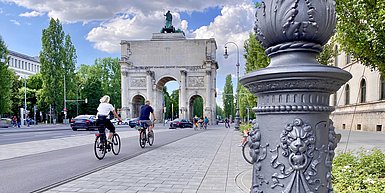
(25, 100)
(293, 140)
(237, 101)
(65, 102)
(77, 102)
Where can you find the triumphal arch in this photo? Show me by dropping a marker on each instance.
(147, 65)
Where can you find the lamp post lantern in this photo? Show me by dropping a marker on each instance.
(226, 55)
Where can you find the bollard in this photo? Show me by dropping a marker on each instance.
(292, 138)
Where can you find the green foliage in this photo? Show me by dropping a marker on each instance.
(228, 98)
(220, 112)
(328, 54)
(244, 127)
(175, 103)
(93, 92)
(246, 99)
(361, 173)
(255, 55)
(5, 80)
(198, 106)
(106, 73)
(361, 30)
(57, 60)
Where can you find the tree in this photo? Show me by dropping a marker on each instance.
(198, 106)
(219, 111)
(6, 80)
(93, 92)
(109, 74)
(15, 98)
(361, 31)
(52, 57)
(328, 53)
(175, 102)
(228, 97)
(255, 55)
(167, 103)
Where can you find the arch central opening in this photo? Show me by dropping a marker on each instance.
(170, 98)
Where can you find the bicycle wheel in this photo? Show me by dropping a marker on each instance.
(116, 144)
(246, 153)
(100, 147)
(151, 138)
(142, 138)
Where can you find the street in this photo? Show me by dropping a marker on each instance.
(64, 161)
(52, 165)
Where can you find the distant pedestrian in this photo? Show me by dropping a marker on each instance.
(18, 121)
(227, 124)
(14, 121)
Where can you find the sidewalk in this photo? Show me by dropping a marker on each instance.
(34, 128)
(209, 162)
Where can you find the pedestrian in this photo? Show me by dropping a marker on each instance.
(244, 137)
(227, 125)
(14, 121)
(18, 121)
(195, 121)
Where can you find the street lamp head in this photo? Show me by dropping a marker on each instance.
(226, 55)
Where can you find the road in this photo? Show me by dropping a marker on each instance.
(36, 171)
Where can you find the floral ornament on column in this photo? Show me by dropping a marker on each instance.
(258, 153)
(297, 143)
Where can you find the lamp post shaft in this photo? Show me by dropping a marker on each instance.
(237, 101)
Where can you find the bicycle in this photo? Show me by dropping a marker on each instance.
(144, 136)
(101, 145)
(246, 151)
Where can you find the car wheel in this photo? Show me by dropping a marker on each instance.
(74, 129)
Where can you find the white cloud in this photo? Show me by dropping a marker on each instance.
(31, 14)
(89, 10)
(138, 19)
(15, 22)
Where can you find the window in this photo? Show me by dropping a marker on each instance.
(343, 126)
(359, 127)
(347, 94)
(336, 55)
(379, 128)
(382, 88)
(363, 91)
(348, 58)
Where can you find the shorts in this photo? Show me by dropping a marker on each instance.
(148, 122)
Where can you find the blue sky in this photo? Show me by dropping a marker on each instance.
(96, 27)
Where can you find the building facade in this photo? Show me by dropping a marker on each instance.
(360, 103)
(147, 65)
(23, 65)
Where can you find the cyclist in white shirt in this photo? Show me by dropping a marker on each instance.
(104, 110)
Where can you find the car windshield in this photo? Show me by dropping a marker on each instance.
(175, 120)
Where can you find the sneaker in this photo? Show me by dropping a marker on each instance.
(240, 145)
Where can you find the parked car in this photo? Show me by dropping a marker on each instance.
(133, 122)
(115, 121)
(181, 123)
(5, 122)
(83, 122)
